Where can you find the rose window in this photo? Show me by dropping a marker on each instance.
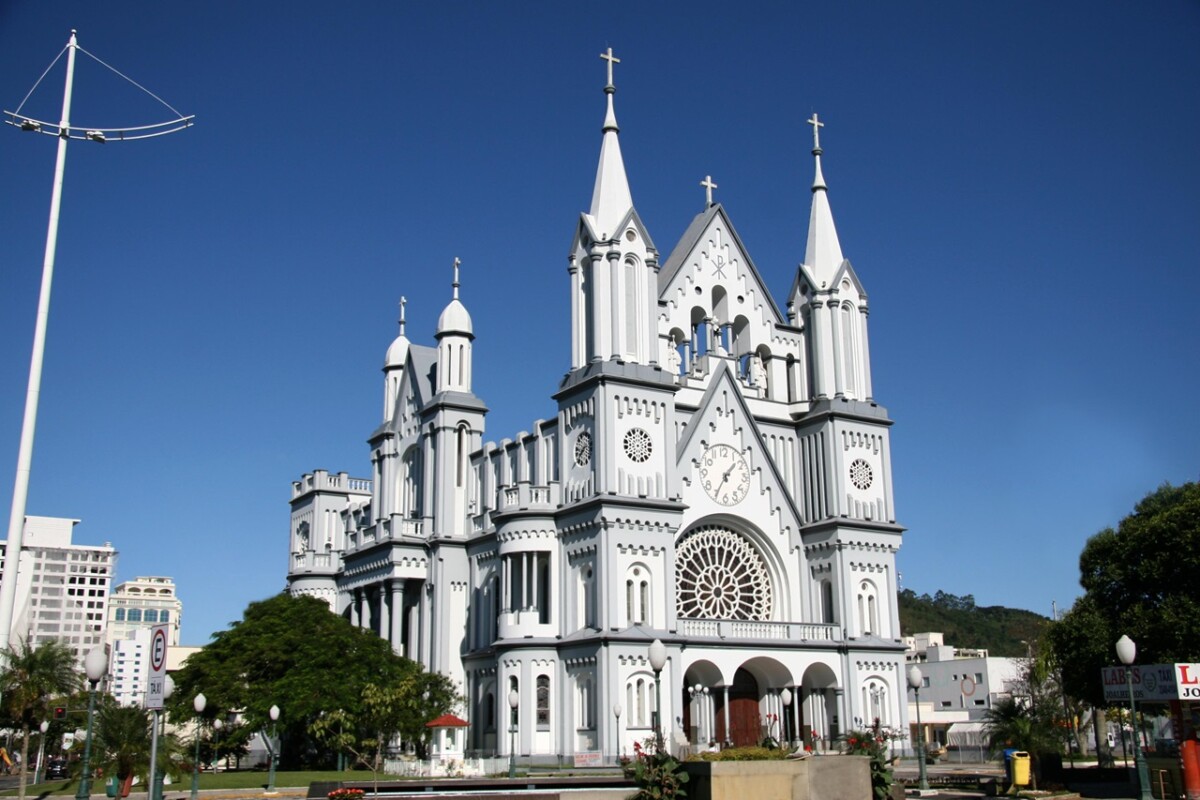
(860, 473)
(721, 576)
(638, 445)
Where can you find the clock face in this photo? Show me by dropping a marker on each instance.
(583, 449)
(724, 474)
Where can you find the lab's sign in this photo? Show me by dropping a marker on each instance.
(1152, 682)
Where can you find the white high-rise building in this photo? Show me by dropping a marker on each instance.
(143, 603)
(718, 476)
(62, 588)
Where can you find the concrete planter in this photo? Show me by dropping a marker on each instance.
(817, 778)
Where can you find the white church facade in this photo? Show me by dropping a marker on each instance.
(718, 477)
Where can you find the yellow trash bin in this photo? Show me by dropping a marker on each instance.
(1020, 768)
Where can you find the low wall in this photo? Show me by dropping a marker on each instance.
(817, 778)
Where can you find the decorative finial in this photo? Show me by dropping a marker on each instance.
(816, 133)
(456, 265)
(611, 59)
(403, 303)
(708, 185)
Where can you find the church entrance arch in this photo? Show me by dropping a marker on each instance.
(742, 723)
(819, 700)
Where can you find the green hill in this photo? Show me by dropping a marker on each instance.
(999, 629)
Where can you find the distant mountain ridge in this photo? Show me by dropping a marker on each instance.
(1001, 631)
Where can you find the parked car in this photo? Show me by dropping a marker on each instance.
(56, 768)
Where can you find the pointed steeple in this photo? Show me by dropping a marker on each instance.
(611, 199)
(823, 255)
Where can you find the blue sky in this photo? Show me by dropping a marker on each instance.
(1017, 185)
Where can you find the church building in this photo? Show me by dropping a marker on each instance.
(717, 478)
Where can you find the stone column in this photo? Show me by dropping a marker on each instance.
(397, 629)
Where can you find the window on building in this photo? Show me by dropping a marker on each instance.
(150, 615)
(164, 616)
(135, 615)
(120, 615)
(543, 702)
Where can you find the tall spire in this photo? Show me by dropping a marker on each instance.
(403, 303)
(823, 255)
(611, 199)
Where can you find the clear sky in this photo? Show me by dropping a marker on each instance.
(1017, 184)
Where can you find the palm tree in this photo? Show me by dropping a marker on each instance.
(1012, 724)
(123, 742)
(31, 677)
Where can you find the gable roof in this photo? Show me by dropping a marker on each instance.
(687, 243)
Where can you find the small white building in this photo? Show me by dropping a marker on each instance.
(62, 588)
(958, 686)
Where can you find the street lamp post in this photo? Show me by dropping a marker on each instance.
(218, 724)
(617, 713)
(274, 747)
(1127, 652)
(95, 665)
(914, 680)
(37, 771)
(658, 660)
(199, 704)
(785, 733)
(514, 700)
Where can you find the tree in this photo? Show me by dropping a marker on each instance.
(123, 740)
(32, 677)
(292, 652)
(1011, 723)
(399, 709)
(1138, 580)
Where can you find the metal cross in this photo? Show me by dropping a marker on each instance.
(708, 185)
(456, 263)
(611, 59)
(816, 130)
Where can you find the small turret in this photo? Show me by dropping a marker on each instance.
(393, 367)
(454, 335)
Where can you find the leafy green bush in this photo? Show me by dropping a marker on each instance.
(743, 754)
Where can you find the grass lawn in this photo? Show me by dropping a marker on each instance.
(222, 780)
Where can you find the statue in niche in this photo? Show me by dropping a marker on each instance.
(673, 359)
(758, 372)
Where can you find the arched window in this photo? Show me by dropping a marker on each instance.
(827, 614)
(489, 711)
(644, 618)
(513, 686)
(587, 703)
(868, 608)
(640, 699)
(543, 702)
(135, 615)
(460, 474)
(120, 617)
(150, 615)
(164, 616)
(849, 320)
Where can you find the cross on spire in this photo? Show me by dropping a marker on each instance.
(816, 130)
(403, 302)
(611, 59)
(708, 185)
(456, 265)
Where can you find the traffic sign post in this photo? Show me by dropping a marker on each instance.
(155, 694)
(158, 668)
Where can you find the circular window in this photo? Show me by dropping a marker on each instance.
(721, 576)
(583, 449)
(630, 235)
(860, 474)
(638, 445)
